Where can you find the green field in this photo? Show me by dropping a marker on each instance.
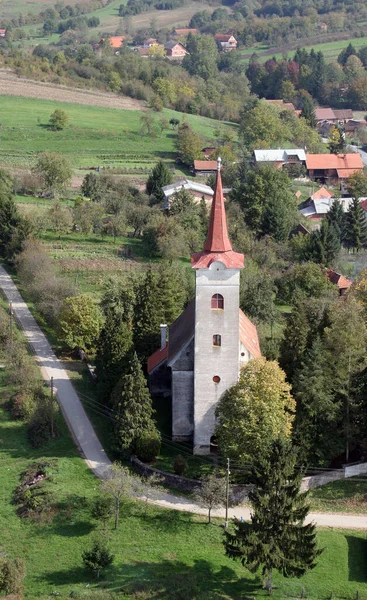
(331, 50)
(94, 137)
(164, 555)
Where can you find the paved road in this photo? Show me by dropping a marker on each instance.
(68, 400)
(83, 432)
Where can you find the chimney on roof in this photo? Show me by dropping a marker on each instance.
(163, 336)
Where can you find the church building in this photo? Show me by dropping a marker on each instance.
(209, 341)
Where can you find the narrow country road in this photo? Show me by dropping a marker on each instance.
(72, 409)
(83, 432)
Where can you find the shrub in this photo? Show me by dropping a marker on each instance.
(148, 446)
(39, 425)
(102, 509)
(179, 465)
(12, 573)
(98, 557)
(22, 405)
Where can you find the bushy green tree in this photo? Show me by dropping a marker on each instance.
(355, 227)
(277, 538)
(201, 59)
(336, 140)
(10, 219)
(295, 338)
(58, 119)
(189, 145)
(254, 411)
(80, 322)
(55, 170)
(308, 112)
(212, 492)
(132, 404)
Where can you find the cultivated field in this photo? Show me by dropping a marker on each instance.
(11, 8)
(11, 85)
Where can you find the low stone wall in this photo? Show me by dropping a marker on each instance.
(238, 493)
(314, 481)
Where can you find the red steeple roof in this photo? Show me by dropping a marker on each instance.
(217, 245)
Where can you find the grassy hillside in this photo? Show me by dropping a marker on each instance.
(94, 137)
(331, 50)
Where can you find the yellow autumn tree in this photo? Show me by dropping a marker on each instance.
(255, 411)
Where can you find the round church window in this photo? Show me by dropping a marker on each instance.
(216, 379)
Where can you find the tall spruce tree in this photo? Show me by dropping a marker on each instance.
(324, 244)
(147, 316)
(295, 338)
(132, 404)
(335, 217)
(159, 177)
(308, 112)
(276, 539)
(317, 408)
(355, 230)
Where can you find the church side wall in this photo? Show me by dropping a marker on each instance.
(211, 361)
(182, 405)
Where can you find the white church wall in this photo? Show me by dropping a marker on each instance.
(211, 361)
(182, 405)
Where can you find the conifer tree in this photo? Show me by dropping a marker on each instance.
(276, 539)
(159, 177)
(318, 410)
(295, 338)
(335, 217)
(355, 227)
(114, 343)
(132, 404)
(147, 317)
(308, 112)
(324, 244)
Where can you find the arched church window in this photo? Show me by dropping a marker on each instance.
(217, 340)
(217, 301)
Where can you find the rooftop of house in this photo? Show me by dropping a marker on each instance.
(283, 104)
(223, 37)
(351, 161)
(172, 44)
(342, 282)
(279, 154)
(151, 41)
(321, 206)
(115, 41)
(322, 193)
(186, 184)
(325, 114)
(142, 51)
(344, 115)
(205, 165)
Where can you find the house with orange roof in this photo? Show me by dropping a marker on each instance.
(333, 169)
(116, 41)
(205, 167)
(343, 283)
(209, 342)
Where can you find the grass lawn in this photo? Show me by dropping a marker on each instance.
(95, 136)
(349, 496)
(161, 555)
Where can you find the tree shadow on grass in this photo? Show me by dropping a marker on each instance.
(357, 558)
(166, 580)
(170, 521)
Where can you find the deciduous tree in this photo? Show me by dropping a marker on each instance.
(119, 484)
(55, 170)
(80, 322)
(212, 493)
(58, 119)
(254, 411)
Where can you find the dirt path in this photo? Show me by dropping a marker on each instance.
(11, 85)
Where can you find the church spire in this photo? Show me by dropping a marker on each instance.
(217, 239)
(217, 245)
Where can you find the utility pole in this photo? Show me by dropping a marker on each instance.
(52, 408)
(11, 325)
(227, 494)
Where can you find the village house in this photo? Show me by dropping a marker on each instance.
(150, 42)
(226, 41)
(317, 206)
(199, 191)
(205, 167)
(2, 33)
(286, 105)
(280, 157)
(333, 169)
(343, 283)
(116, 41)
(175, 50)
(333, 116)
(210, 340)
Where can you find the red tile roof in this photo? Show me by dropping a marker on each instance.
(322, 193)
(345, 172)
(363, 203)
(217, 246)
(334, 161)
(325, 114)
(342, 282)
(223, 37)
(116, 41)
(205, 165)
(249, 336)
(155, 359)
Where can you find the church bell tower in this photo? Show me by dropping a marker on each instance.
(217, 326)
